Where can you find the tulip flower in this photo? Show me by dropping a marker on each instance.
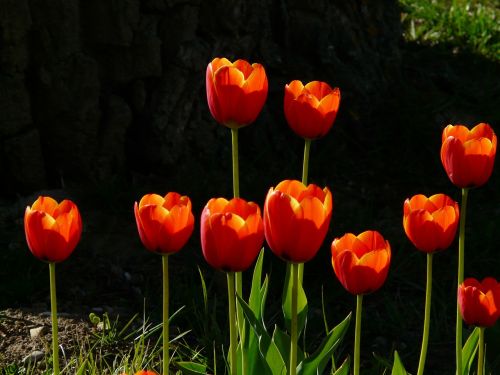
(468, 155)
(52, 232)
(146, 372)
(231, 236)
(431, 223)
(296, 219)
(236, 92)
(480, 306)
(310, 110)
(52, 229)
(361, 264)
(164, 225)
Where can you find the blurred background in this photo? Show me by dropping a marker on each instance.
(102, 101)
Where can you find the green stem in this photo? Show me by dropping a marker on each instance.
(427, 316)
(166, 343)
(357, 334)
(480, 359)
(293, 341)
(53, 308)
(305, 173)
(461, 252)
(232, 323)
(240, 321)
(236, 173)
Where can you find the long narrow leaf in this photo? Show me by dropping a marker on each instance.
(302, 306)
(469, 351)
(397, 367)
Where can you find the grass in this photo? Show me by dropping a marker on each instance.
(470, 25)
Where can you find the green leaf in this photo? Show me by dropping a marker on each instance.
(287, 302)
(344, 369)
(469, 351)
(255, 300)
(316, 363)
(283, 342)
(192, 368)
(267, 348)
(397, 367)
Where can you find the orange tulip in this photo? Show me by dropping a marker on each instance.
(310, 110)
(146, 372)
(231, 233)
(236, 92)
(468, 155)
(479, 301)
(431, 223)
(52, 229)
(361, 262)
(164, 223)
(296, 219)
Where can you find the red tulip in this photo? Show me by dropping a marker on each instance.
(146, 372)
(431, 223)
(310, 110)
(164, 223)
(479, 301)
(236, 92)
(296, 219)
(361, 262)
(231, 233)
(468, 155)
(52, 229)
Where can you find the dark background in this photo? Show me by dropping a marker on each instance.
(104, 101)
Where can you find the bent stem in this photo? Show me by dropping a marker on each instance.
(232, 322)
(460, 278)
(427, 316)
(357, 334)
(53, 308)
(166, 343)
(480, 359)
(293, 341)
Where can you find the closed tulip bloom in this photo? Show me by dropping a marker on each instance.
(164, 223)
(310, 110)
(431, 223)
(479, 301)
(296, 219)
(468, 155)
(52, 229)
(236, 92)
(361, 263)
(232, 233)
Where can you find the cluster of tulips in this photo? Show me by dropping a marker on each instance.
(294, 222)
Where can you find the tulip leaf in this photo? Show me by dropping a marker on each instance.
(397, 367)
(255, 300)
(287, 302)
(267, 348)
(192, 368)
(316, 363)
(344, 369)
(469, 351)
(282, 342)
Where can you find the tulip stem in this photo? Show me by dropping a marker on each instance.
(357, 334)
(305, 175)
(461, 252)
(427, 316)
(294, 338)
(232, 323)
(166, 354)
(236, 173)
(480, 359)
(53, 308)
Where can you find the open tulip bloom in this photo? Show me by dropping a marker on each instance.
(361, 264)
(467, 157)
(52, 232)
(232, 234)
(296, 220)
(165, 225)
(430, 224)
(479, 304)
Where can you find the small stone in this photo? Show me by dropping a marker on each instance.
(37, 332)
(34, 357)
